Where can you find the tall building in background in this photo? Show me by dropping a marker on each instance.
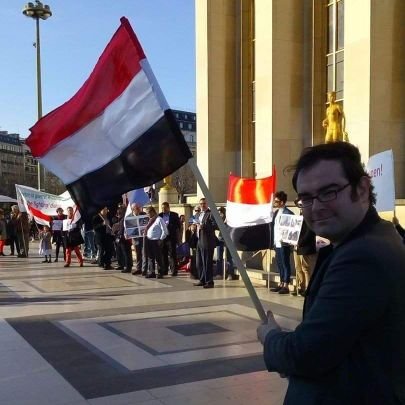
(183, 179)
(264, 68)
(18, 166)
(11, 162)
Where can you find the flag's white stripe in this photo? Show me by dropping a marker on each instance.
(154, 83)
(238, 215)
(93, 146)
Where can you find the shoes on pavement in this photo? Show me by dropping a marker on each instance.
(159, 276)
(200, 284)
(81, 264)
(66, 265)
(284, 290)
(276, 289)
(108, 267)
(56, 260)
(300, 292)
(137, 272)
(208, 285)
(118, 268)
(151, 275)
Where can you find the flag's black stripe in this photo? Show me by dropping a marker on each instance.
(154, 155)
(251, 238)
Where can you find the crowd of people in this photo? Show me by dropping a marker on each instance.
(167, 243)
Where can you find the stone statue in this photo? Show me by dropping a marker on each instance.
(335, 121)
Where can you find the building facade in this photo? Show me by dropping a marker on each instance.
(11, 162)
(264, 68)
(183, 179)
(18, 166)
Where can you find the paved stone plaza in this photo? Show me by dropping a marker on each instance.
(90, 336)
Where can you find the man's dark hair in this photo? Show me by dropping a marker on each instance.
(281, 195)
(345, 153)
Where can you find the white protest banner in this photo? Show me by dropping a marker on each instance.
(42, 205)
(135, 225)
(290, 228)
(381, 169)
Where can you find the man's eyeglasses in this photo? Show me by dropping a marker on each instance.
(324, 196)
(197, 210)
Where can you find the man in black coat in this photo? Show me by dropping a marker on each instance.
(172, 222)
(206, 244)
(349, 347)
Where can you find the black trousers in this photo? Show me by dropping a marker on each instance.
(58, 239)
(154, 251)
(105, 248)
(14, 242)
(204, 264)
(170, 254)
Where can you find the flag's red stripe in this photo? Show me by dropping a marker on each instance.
(39, 214)
(250, 191)
(115, 69)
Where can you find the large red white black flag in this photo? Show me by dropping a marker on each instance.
(115, 134)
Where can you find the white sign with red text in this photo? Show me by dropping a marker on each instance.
(381, 169)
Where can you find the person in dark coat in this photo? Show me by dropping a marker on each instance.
(12, 231)
(103, 238)
(57, 233)
(205, 247)
(349, 347)
(123, 245)
(173, 225)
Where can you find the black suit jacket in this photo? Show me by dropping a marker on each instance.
(206, 234)
(350, 347)
(174, 225)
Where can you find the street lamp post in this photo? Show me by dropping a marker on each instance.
(38, 11)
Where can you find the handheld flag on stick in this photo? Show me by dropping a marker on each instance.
(249, 211)
(115, 134)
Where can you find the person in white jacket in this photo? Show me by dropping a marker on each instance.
(156, 231)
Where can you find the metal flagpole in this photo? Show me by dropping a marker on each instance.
(228, 241)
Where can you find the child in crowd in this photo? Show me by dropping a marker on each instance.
(45, 244)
